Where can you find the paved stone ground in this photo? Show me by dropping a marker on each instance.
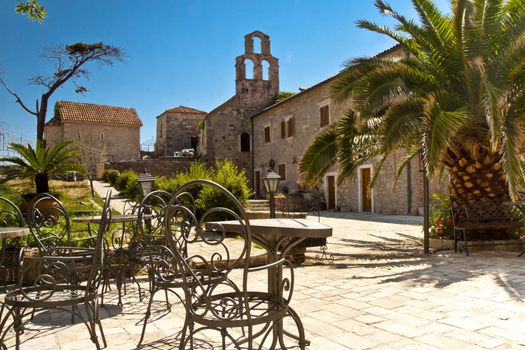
(381, 292)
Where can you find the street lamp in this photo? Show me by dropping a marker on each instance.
(426, 205)
(145, 181)
(270, 184)
(91, 177)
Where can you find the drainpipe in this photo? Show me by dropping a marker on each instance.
(409, 188)
(253, 158)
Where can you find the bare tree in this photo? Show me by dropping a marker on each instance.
(69, 64)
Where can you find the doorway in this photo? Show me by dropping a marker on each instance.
(257, 184)
(366, 193)
(330, 191)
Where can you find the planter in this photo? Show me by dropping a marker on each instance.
(511, 245)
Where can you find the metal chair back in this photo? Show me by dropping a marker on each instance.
(49, 223)
(10, 214)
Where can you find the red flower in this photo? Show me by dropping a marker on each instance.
(448, 222)
(438, 222)
(439, 232)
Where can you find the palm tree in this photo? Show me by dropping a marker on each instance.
(40, 162)
(456, 97)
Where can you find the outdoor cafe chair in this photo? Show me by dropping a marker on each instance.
(216, 274)
(10, 256)
(56, 284)
(149, 248)
(50, 226)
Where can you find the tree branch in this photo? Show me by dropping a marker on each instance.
(18, 100)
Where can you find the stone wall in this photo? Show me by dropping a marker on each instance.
(304, 109)
(165, 166)
(175, 131)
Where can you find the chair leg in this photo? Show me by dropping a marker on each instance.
(147, 315)
(466, 242)
(91, 324)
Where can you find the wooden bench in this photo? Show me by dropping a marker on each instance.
(482, 216)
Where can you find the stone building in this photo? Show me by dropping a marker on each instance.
(227, 131)
(282, 132)
(101, 133)
(177, 129)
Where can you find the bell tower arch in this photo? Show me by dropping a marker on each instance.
(264, 79)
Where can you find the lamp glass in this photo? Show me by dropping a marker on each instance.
(146, 183)
(271, 181)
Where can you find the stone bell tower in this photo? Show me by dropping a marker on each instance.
(227, 131)
(257, 71)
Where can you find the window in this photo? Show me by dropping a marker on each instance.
(245, 142)
(290, 127)
(102, 136)
(267, 134)
(325, 115)
(249, 66)
(194, 141)
(283, 129)
(282, 171)
(78, 135)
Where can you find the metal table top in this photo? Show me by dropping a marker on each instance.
(294, 228)
(13, 232)
(95, 219)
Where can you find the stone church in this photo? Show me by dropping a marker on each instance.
(101, 133)
(227, 131)
(256, 132)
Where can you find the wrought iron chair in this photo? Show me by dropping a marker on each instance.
(58, 284)
(11, 254)
(150, 249)
(215, 269)
(51, 227)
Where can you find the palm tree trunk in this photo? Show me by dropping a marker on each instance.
(473, 179)
(42, 183)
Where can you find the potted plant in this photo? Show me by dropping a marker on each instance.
(38, 163)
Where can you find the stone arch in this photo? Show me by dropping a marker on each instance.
(265, 69)
(257, 44)
(249, 69)
(245, 142)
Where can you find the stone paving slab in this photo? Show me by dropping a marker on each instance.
(381, 292)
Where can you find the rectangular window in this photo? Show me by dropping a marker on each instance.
(282, 171)
(283, 129)
(325, 115)
(290, 127)
(267, 134)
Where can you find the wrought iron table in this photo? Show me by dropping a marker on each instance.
(278, 236)
(117, 243)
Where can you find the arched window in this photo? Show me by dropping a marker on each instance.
(249, 68)
(245, 142)
(257, 45)
(265, 70)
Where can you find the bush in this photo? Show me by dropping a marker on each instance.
(197, 170)
(441, 225)
(110, 176)
(124, 178)
(234, 180)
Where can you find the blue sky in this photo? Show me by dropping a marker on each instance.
(180, 52)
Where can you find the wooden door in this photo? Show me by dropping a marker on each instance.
(330, 180)
(257, 184)
(366, 195)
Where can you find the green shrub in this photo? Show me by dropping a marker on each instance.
(197, 170)
(124, 178)
(234, 180)
(110, 176)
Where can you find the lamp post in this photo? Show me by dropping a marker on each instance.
(426, 205)
(270, 184)
(145, 181)
(91, 176)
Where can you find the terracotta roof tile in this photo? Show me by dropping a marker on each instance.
(100, 114)
(184, 109)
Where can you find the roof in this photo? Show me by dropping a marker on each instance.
(323, 82)
(92, 113)
(184, 109)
